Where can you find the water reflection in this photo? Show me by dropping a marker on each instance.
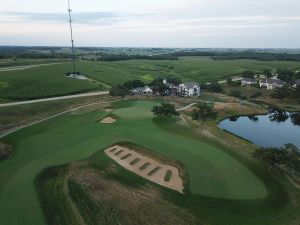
(234, 118)
(279, 116)
(272, 130)
(253, 118)
(295, 118)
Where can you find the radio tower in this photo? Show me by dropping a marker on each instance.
(72, 40)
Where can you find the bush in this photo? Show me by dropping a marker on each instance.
(5, 150)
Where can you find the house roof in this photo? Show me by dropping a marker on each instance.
(275, 81)
(271, 81)
(249, 80)
(191, 85)
(141, 89)
(263, 80)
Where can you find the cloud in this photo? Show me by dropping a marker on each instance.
(158, 22)
(81, 18)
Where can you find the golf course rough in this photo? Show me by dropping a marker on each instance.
(212, 172)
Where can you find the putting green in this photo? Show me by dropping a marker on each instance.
(213, 173)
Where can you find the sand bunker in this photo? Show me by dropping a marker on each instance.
(108, 120)
(164, 175)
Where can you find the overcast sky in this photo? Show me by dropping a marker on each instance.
(153, 23)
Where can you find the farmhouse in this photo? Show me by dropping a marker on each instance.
(142, 91)
(189, 89)
(270, 84)
(248, 81)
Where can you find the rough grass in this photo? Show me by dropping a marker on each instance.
(49, 80)
(168, 176)
(126, 156)
(152, 172)
(135, 161)
(51, 187)
(144, 166)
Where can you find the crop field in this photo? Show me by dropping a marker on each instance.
(224, 189)
(49, 80)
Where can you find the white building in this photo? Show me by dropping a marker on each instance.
(248, 82)
(142, 91)
(270, 84)
(189, 89)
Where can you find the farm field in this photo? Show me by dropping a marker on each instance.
(224, 189)
(49, 81)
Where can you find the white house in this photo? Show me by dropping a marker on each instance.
(189, 89)
(248, 82)
(270, 84)
(297, 83)
(142, 91)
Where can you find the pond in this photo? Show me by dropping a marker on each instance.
(272, 130)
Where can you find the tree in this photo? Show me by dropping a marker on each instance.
(165, 110)
(296, 93)
(256, 94)
(6, 150)
(268, 73)
(204, 112)
(229, 81)
(134, 84)
(213, 87)
(248, 74)
(119, 90)
(235, 94)
(281, 93)
(286, 75)
(161, 89)
(174, 80)
(288, 157)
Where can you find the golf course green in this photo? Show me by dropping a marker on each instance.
(215, 176)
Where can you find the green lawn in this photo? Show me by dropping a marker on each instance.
(218, 180)
(44, 81)
(49, 80)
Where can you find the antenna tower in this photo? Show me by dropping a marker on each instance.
(72, 40)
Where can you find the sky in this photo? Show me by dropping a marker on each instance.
(153, 23)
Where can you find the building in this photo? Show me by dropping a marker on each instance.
(189, 89)
(142, 91)
(297, 83)
(172, 89)
(270, 84)
(248, 82)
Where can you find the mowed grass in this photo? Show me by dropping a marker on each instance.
(201, 69)
(44, 81)
(219, 183)
(48, 81)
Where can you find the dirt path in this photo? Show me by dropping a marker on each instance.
(5, 69)
(164, 175)
(90, 94)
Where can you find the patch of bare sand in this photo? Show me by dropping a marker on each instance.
(146, 167)
(108, 120)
